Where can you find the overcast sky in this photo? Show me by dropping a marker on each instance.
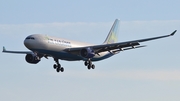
(146, 74)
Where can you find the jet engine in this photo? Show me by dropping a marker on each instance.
(87, 53)
(32, 58)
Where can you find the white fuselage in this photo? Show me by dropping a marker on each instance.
(53, 46)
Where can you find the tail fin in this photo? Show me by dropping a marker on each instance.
(113, 33)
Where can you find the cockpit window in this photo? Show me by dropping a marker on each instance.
(30, 38)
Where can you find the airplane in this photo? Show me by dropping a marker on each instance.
(58, 48)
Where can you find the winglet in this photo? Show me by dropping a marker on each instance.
(4, 49)
(173, 33)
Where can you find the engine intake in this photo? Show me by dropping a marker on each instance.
(87, 53)
(32, 58)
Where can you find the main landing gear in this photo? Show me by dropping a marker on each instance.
(89, 64)
(57, 66)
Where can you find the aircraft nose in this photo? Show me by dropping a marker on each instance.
(26, 43)
(33, 42)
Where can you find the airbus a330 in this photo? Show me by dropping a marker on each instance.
(58, 48)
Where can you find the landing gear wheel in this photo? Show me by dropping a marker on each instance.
(62, 69)
(93, 66)
(85, 63)
(55, 66)
(89, 67)
(58, 69)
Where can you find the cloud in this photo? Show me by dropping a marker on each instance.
(128, 29)
(158, 75)
(148, 75)
(50, 27)
(88, 27)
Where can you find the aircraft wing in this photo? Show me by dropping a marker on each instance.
(17, 52)
(117, 46)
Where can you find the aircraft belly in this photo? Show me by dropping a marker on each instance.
(67, 56)
(60, 55)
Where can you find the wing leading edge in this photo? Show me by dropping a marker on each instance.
(117, 46)
(16, 52)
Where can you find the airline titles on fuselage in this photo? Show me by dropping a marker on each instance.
(59, 42)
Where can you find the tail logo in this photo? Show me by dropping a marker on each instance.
(113, 34)
(112, 39)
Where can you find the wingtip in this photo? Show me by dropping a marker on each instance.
(117, 19)
(173, 33)
(4, 49)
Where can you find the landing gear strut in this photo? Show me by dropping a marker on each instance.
(89, 64)
(57, 66)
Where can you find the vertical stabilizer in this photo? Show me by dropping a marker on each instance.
(113, 33)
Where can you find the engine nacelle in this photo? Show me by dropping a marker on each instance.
(87, 53)
(32, 58)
